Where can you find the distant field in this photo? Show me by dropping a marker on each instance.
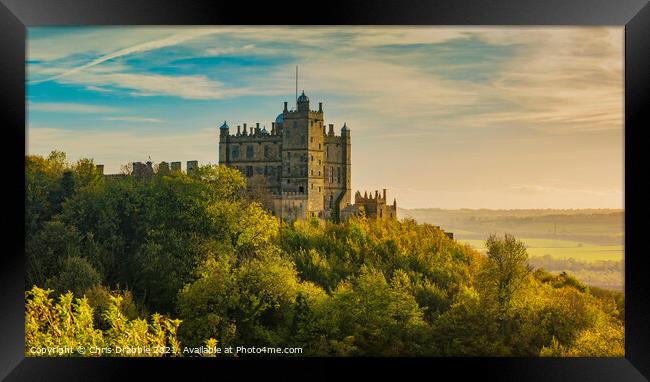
(596, 265)
(586, 243)
(562, 249)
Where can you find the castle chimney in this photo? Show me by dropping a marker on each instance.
(395, 204)
(245, 132)
(320, 107)
(384, 194)
(376, 194)
(272, 128)
(331, 130)
(285, 106)
(257, 128)
(238, 130)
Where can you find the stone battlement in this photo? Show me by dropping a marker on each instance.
(140, 169)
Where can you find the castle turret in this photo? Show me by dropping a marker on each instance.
(224, 133)
(302, 103)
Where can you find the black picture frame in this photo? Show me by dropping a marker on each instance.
(17, 15)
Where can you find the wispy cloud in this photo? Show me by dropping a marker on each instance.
(61, 107)
(135, 119)
(189, 87)
(139, 48)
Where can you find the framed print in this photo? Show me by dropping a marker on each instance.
(443, 188)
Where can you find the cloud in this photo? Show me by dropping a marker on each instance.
(134, 119)
(139, 48)
(540, 190)
(56, 107)
(189, 87)
(230, 50)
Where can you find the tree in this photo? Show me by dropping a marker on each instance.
(375, 317)
(504, 271)
(48, 248)
(76, 276)
(69, 324)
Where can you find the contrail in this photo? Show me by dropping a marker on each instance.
(147, 46)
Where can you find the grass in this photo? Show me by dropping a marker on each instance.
(563, 249)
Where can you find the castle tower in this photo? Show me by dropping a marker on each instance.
(304, 166)
(224, 132)
(302, 155)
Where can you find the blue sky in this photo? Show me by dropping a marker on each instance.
(441, 117)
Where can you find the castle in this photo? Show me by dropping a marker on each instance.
(303, 165)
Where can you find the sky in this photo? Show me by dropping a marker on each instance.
(443, 117)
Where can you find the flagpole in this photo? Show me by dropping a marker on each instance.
(296, 87)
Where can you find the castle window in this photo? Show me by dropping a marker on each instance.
(249, 170)
(338, 175)
(319, 189)
(312, 186)
(303, 139)
(312, 172)
(289, 155)
(295, 124)
(267, 151)
(312, 158)
(319, 146)
(311, 139)
(249, 151)
(288, 181)
(319, 162)
(235, 152)
(301, 189)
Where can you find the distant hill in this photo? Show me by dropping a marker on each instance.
(591, 226)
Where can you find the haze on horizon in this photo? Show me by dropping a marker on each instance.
(447, 117)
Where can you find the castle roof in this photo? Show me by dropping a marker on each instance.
(303, 98)
(279, 119)
(224, 126)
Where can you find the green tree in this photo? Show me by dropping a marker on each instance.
(76, 276)
(504, 272)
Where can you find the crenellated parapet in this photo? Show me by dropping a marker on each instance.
(374, 206)
(370, 198)
(145, 170)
